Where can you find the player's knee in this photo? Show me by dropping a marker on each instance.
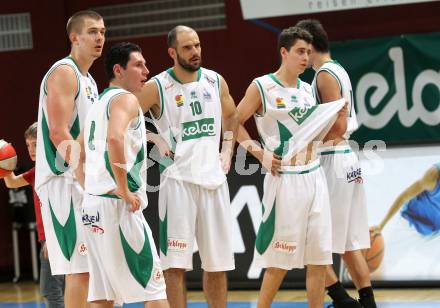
(174, 273)
(80, 278)
(215, 275)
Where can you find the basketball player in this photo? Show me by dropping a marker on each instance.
(416, 225)
(66, 93)
(296, 226)
(123, 262)
(421, 202)
(190, 106)
(348, 206)
(51, 286)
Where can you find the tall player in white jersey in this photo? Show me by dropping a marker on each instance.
(66, 94)
(295, 229)
(347, 199)
(123, 262)
(190, 106)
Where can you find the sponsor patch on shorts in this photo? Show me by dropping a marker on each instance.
(175, 244)
(82, 249)
(158, 275)
(284, 247)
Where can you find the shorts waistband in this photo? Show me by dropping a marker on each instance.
(336, 149)
(111, 196)
(301, 169)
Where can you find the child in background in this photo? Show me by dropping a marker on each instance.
(51, 287)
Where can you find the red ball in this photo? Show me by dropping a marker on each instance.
(8, 158)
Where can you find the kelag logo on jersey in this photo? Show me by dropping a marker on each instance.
(299, 115)
(198, 129)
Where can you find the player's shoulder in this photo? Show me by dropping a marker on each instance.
(125, 98)
(112, 91)
(334, 68)
(208, 75)
(264, 80)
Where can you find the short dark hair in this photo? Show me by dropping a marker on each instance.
(315, 28)
(172, 35)
(119, 54)
(76, 21)
(289, 36)
(31, 131)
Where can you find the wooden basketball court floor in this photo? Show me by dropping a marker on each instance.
(26, 295)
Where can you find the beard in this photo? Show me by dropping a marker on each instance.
(187, 65)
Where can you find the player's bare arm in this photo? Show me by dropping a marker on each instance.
(15, 181)
(149, 98)
(229, 124)
(329, 91)
(248, 106)
(62, 86)
(427, 182)
(123, 109)
(79, 170)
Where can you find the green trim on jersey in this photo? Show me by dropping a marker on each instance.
(108, 166)
(51, 71)
(285, 136)
(133, 176)
(138, 124)
(346, 151)
(134, 180)
(50, 151)
(334, 62)
(334, 76)
(163, 234)
(109, 196)
(218, 85)
(272, 76)
(164, 163)
(140, 264)
(263, 98)
(106, 90)
(266, 231)
(66, 235)
(159, 85)
(170, 71)
(259, 135)
(110, 100)
(167, 161)
(74, 62)
(300, 172)
(76, 128)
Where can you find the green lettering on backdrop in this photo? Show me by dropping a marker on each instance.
(396, 82)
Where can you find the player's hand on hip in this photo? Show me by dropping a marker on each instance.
(132, 199)
(276, 164)
(272, 162)
(164, 149)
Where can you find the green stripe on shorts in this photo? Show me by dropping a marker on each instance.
(336, 152)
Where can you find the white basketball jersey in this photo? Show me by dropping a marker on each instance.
(49, 162)
(275, 96)
(99, 177)
(190, 121)
(340, 74)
